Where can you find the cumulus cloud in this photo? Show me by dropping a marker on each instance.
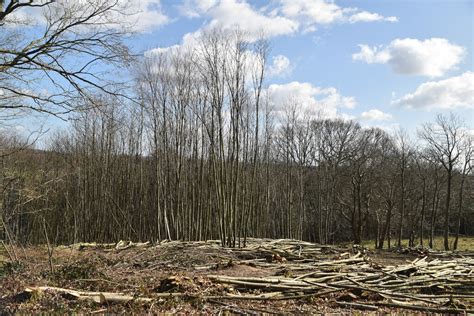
(454, 92)
(324, 12)
(372, 55)
(317, 12)
(145, 15)
(237, 14)
(231, 14)
(279, 17)
(280, 66)
(392, 128)
(431, 57)
(193, 46)
(195, 8)
(162, 50)
(375, 115)
(308, 99)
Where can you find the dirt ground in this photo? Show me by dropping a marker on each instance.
(171, 267)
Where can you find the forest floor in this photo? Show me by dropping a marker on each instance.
(267, 277)
(465, 243)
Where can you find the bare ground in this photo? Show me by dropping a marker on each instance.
(191, 270)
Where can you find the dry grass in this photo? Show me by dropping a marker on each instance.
(465, 243)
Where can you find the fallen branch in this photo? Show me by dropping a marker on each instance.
(441, 310)
(98, 297)
(358, 306)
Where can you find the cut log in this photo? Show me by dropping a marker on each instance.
(97, 297)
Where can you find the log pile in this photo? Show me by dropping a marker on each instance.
(268, 252)
(424, 251)
(423, 285)
(344, 277)
(121, 245)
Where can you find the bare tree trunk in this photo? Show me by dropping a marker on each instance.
(447, 208)
(423, 206)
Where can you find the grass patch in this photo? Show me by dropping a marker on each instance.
(465, 243)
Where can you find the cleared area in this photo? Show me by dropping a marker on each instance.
(267, 276)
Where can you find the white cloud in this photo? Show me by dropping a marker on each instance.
(145, 15)
(19, 128)
(454, 92)
(308, 99)
(432, 57)
(234, 14)
(161, 50)
(365, 16)
(346, 117)
(281, 17)
(317, 12)
(391, 128)
(324, 12)
(280, 66)
(375, 115)
(194, 45)
(196, 8)
(371, 55)
(189, 43)
(136, 16)
(470, 132)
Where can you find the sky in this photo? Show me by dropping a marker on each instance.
(385, 63)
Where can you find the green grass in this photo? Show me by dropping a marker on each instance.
(465, 243)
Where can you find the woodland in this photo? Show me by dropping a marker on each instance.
(188, 147)
(175, 184)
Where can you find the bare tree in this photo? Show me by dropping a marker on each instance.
(467, 165)
(200, 156)
(444, 139)
(404, 153)
(57, 55)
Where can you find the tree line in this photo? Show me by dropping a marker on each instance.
(195, 149)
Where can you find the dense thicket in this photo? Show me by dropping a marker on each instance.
(205, 155)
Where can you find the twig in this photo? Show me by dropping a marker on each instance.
(358, 306)
(50, 249)
(426, 308)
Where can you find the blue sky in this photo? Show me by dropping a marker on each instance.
(386, 63)
(418, 61)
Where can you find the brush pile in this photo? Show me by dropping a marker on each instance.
(431, 286)
(266, 276)
(306, 270)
